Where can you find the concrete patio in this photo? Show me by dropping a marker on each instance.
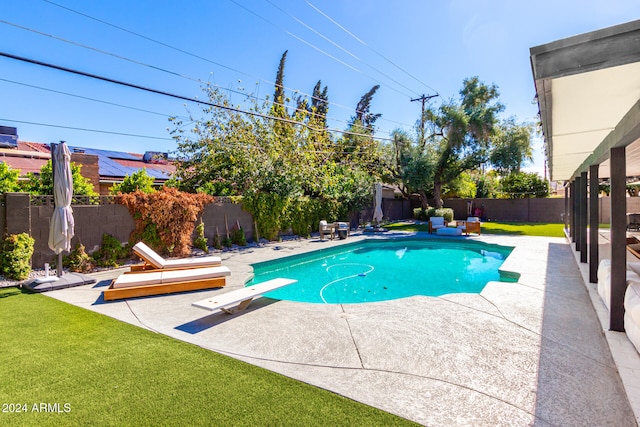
(526, 353)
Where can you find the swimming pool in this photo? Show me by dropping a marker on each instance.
(378, 270)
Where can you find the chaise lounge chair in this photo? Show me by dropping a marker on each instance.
(238, 300)
(158, 282)
(153, 261)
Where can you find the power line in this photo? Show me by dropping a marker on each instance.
(185, 52)
(88, 98)
(365, 44)
(181, 97)
(86, 130)
(343, 49)
(312, 29)
(154, 67)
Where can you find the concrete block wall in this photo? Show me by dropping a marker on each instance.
(518, 210)
(91, 222)
(221, 215)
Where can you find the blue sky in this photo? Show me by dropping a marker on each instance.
(409, 47)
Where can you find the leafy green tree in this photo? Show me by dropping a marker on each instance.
(486, 185)
(8, 179)
(512, 147)
(462, 186)
(463, 132)
(42, 183)
(137, 181)
(522, 185)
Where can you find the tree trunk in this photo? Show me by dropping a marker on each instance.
(423, 199)
(437, 193)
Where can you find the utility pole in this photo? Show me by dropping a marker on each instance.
(424, 99)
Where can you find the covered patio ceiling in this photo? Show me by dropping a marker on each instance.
(588, 90)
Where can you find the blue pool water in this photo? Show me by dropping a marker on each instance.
(378, 270)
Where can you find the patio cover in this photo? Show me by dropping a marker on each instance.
(588, 90)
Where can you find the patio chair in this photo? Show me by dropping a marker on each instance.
(436, 222)
(158, 282)
(327, 228)
(471, 225)
(153, 261)
(238, 300)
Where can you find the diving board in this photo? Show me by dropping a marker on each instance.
(238, 300)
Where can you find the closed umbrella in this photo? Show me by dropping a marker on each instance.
(61, 229)
(377, 212)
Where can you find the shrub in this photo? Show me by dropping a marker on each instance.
(238, 237)
(522, 185)
(111, 252)
(226, 242)
(447, 213)
(78, 260)
(15, 258)
(420, 214)
(216, 242)
(165, 219)
(138, 181)
(201, 242)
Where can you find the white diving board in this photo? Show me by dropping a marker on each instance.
(234, 301)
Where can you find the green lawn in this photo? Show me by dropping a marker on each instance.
(519, 228)
(93, 370)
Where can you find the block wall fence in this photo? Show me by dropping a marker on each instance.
(19, 213)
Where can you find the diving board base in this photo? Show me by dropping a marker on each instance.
(238, 300)
(112, 293)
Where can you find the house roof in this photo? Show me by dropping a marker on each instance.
(112, 165)
(588, 89)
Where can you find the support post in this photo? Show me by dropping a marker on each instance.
(584, 222)
(577, 185)
(594, 224)
(572, 217)
(566, 208)
(618, 238)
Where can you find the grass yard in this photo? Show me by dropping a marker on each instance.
(519, 228)
(63, 365)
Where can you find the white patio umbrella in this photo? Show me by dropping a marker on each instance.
(61, 229)
(377, 212)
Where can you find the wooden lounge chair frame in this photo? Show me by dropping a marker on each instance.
(633, 246)
(327, 229)
(215, 281)
(469, 226)
(238, 300)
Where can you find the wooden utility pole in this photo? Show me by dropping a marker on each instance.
(424, 99)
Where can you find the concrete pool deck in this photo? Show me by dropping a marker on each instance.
(526, 353)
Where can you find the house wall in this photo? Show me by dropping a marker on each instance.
(90, 168)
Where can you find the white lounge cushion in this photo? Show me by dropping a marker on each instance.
(174, 276)
(473, 219)
(632, 312)
(151, 256)
(449, 231)
(199, 261)
(148, 254)
(436, 221)
(137, 279)
(169, 276)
